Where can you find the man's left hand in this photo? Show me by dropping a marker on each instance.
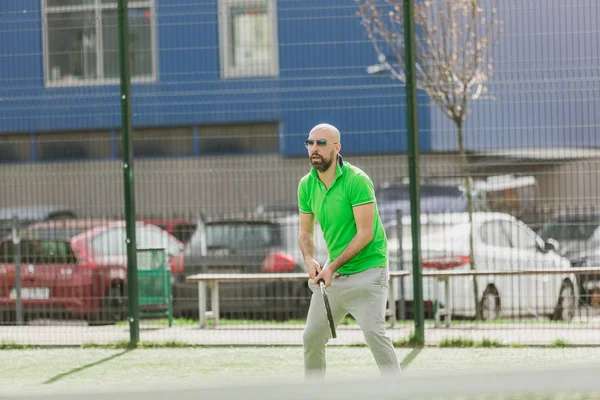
(326, 274)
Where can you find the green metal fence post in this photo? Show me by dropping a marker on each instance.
(413, 167)
(125, 74)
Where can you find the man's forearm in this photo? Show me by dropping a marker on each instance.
(358, 242)
(307, 246)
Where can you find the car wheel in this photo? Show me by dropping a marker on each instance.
(565, 307)
(490, 303)
(114, 305)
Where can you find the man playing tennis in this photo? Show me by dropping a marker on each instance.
(341, 197)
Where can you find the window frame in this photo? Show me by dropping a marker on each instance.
(97, 9)
(228, 70)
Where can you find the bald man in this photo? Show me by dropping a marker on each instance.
(341, 198)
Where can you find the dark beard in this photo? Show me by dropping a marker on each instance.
(322, 164)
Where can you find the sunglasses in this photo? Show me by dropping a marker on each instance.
(320, 142)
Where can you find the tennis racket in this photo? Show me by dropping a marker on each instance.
(327, 308)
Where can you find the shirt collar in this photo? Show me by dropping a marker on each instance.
(339, 169)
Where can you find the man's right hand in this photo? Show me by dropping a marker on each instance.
(313, 267)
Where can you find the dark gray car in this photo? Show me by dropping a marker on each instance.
(247, 245)
(578, 237)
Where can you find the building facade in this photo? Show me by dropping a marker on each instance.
(225, 92)
(222, 77)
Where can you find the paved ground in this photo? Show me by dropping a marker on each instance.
(522, 333)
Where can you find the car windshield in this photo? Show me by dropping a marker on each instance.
(242, 235)
(569, 230)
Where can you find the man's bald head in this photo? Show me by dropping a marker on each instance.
(327, 131)
(325, 146)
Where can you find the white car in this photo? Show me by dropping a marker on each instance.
(500, 243)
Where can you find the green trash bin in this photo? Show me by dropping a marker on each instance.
(154, 284)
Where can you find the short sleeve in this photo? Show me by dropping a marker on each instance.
(361, 190)
(303, 198)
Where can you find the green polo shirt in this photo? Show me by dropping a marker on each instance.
(333, 210)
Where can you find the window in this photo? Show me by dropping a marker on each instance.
(72, 146)
(248, 33)
(239, 139)
(494, 233)
(112, 242)
(570, 230)
(242, 235)
(151, 237)
(160, 142)
(81, 42)
(520, 236)
(14, 148)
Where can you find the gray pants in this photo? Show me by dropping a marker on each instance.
(364, 295)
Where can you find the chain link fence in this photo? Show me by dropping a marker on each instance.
(224, 93)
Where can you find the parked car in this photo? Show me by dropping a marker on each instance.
(28, 215)
(578, 237)
(513, 194)
(76, 267)
(435, 198)
(500, 243)
(248, 245)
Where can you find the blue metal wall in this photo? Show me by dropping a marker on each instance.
(546, 85)
(323, 55)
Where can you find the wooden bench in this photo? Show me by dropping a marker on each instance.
(213, 280)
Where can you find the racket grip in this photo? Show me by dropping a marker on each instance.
(321, 281)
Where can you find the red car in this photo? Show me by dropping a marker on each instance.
(77, 267)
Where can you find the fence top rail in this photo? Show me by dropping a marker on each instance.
(300, 276)
(283, 276)
(228, 277)
(555, 271)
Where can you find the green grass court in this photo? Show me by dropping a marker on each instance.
(97, 369)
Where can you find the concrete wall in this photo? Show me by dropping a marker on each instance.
(213, 185)
(576, 184)
(183, 186)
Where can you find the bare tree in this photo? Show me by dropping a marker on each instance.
(453, 58)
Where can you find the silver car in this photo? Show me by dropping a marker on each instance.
(243, 245)
(500, 243)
